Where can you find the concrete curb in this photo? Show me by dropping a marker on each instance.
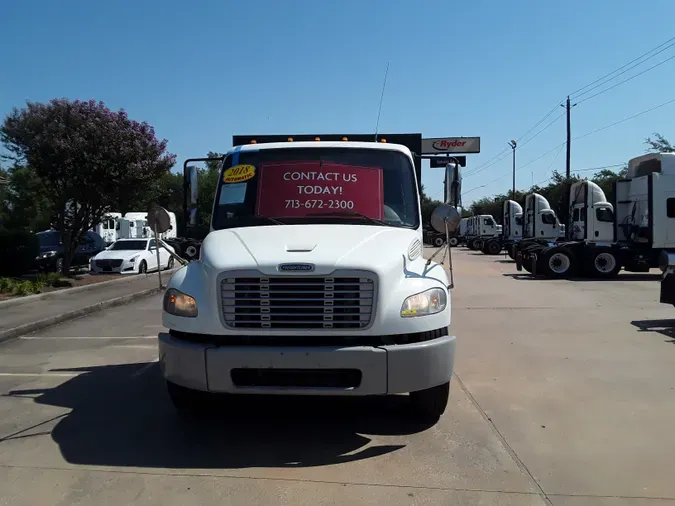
(67, 291)
(27, 328)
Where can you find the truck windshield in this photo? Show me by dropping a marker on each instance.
(317, 185)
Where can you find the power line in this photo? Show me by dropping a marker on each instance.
(502, 154)
(626, 80)
(670, 44)
(624, 120)
(505, 152)
(540, 131)
(588, 87)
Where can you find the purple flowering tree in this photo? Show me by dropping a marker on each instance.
(91, 159)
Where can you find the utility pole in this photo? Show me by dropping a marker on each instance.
(568, 108)
(513, 149)
(568, 163)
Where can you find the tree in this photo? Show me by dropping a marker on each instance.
(92, 160)
(25, 200)
(659, 144)
(427, 206)
(605, 180)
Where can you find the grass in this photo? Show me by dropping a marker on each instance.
(21, 287)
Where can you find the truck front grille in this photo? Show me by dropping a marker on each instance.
(297, 302)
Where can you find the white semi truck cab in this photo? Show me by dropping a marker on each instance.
(633, 234)
(539, 220)
(312, 280)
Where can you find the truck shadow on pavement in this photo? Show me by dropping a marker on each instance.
(121, 420)
(664, 327)
(625, 276)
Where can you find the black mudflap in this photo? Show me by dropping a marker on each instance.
(668, 289)
(519, 261)
(533, 259)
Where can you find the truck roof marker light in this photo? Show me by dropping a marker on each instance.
(383, 140)
(290, 139)
(317, 138)
(345, 139)
(253, 141)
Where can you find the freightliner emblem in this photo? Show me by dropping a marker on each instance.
(296, 267)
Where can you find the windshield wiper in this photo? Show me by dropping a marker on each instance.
(272, 220)
(350, 214)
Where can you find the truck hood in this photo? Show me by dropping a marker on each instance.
(326, 247)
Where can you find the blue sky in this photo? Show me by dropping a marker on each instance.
(202, 71)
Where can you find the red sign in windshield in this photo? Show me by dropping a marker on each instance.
(295, 189)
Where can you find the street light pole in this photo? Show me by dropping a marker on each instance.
(513, 145)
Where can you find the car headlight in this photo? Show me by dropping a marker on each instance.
(47, 254)
(429, 302)
(133, 259)
(179, 304)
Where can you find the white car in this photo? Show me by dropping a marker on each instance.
(131, 256)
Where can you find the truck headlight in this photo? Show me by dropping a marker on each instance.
(421, 304)
(179, 304)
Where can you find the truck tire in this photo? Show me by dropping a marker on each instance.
(429, 405)
(438, 241)
(602, 264)
(454, 241)
(492, 247)
(187, 401)
(558, 263)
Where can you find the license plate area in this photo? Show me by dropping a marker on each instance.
(303, 370)
(297, 378)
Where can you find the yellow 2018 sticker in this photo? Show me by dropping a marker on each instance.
(239, 173)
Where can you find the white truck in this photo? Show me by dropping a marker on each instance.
(311, 280)
(482, 228)
(540, 225)
(107, 228)
(512, 230)
(604, 238)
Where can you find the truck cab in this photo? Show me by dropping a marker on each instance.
(512, 218)
(311, 281)
(539, 220)
(592, 216)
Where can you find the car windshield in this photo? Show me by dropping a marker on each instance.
(49, 239)
(317, 185)
(129, 245)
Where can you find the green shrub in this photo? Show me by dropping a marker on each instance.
(53, 278)
(18, 249)
(7, 285)
(24, 288)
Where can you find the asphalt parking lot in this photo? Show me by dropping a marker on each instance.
(564, 395)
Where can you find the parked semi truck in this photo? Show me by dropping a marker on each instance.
(512, 229)
(540, 225)
(631, 234)
(482, 228)
(311, 279)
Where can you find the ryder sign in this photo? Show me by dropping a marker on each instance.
(451, 145)
(303, 188)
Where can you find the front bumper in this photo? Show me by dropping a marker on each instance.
(124, 268)
(308, 370)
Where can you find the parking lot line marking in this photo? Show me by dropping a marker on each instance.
(34, 338)
(143, 369)
(37, 374)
